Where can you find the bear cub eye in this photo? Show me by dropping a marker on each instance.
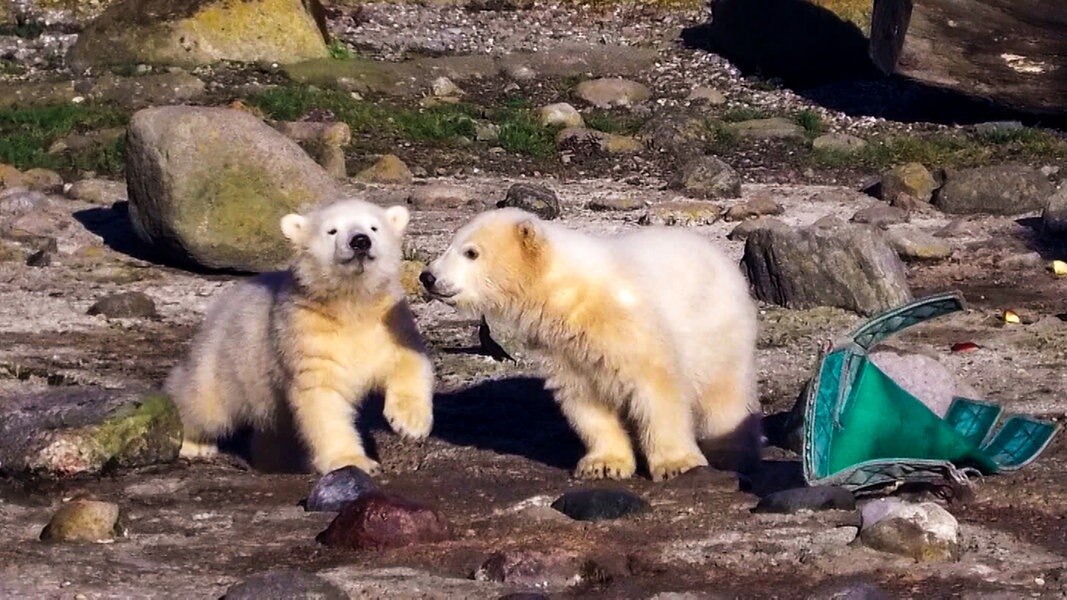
(374, 228)
(470, 253)
(332, 232)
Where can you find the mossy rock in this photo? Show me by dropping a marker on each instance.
(85, 430)
(196, 32)
(209, 186)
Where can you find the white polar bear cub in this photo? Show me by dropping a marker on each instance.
(313, 341)
(658, 324)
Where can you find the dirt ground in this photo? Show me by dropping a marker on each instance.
(196, 529)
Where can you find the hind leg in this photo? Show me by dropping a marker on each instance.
(730, 421)
(204, 417)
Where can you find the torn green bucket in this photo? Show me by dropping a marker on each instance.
(863, 432)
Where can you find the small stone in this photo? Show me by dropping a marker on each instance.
(774, 128)
(849, 591)
(624, 204)
(484, 131)
(285, 583)
(388, 169)
(560, 114)
(745, 228)
(683, 213)
(537, 199)
(101, 192)
(84, 520)
(707, 95)
(444, 87)
(440, 197)
(519, 72)
(881, 216)
(997, 189)
(599, 504)
(43, 180)
(912, 179)
(125, 305)
(759, 206)
(379, 520)
(612, 91)
(676, 133)
(915, 244)
(925, 532)
(824, 497)
(586, 142)
(839, 142)
(707, 177)
(1054, 216)
(1026, 260)
(541, 570)
(10, 177)
(337, 488)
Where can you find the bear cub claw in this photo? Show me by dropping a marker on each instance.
(669, 469)
(605, 467)
(410, 418)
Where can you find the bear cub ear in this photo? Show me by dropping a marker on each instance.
(397, 217)
(529, 234)
(294, 228)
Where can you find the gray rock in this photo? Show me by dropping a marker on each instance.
(337, 488)
(706, 95)
(444, 87)
(591, 142)
(625, 204)
(760, 206)
(911, 179)
(401, 583)
(999, 190)
(1023, 260)
(612, 91)
(925, 532)
(774, 128)
(997, 127)
(560, 114)
(807, 498)
(707, 177)
(915, 244)
(745, 228)
(839, 142)
(538, 199)
(101, 192)
(388, 169)
(849, 591)
(72, 430)
(677, 133)
(684, 213)
(209, 186)
(846, 266)
(881, 216)
(125, 305)
(84, 520)
(599, 504)
(324, 141)
(1054, 217)
(554, 570)
(43, 180)
(440, 197)
(285, 583)
(16, 202)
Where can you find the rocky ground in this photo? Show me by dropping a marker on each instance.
(500, 452)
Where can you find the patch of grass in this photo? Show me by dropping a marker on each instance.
(23, 29)
(522, 133)
(292, 102)
(27, 133)
(723, 139)
(338, 50)
(612, 122)
(743, 113)
(811, 121)
(443, 122)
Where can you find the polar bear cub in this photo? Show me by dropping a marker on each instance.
(657, 326)
(313, 341)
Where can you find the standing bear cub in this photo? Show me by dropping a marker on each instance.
(657, 326)
(311, 342)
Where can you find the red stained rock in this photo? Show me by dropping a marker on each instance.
(380, 520)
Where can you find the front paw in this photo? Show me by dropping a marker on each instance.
(194, 450)
(663, 469)
(409, 416)
(600, 466)
(360, 461)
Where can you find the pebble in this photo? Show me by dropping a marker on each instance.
(537, 199)
(612, 91)
(337, 488)
(388, 169)
(759, 206)
(924, 531)
(84, 520)
(881, 216)
(125, 305)
(807, 498)
(599, 504)
(560, 114)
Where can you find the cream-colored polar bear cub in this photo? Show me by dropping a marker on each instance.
(315, 340)
(656, 325)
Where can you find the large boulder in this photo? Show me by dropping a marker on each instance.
(196, 32)
(1054, 218)
(998, 190)
(82, 430)
(209, 186)
(846, 266)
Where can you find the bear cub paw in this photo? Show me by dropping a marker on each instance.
(602, 466)
(662, 470)
(410, 417)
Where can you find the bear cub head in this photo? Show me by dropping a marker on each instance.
(491, 264)
(347, 247)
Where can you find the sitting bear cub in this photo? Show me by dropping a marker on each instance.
(655, 326)
(311, 342)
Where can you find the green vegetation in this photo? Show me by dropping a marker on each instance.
(614, 122)
(950, 150)
(520, 130)
(27, 133)
(23, 29)
(811, 121)
(743, 113)
(723, 139)
(338, 50)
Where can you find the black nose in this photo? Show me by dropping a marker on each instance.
(360, 241)
(427, 279)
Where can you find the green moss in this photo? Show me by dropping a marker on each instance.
(338, 50)
(614, 122)
(27, 133)
(152, 425)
